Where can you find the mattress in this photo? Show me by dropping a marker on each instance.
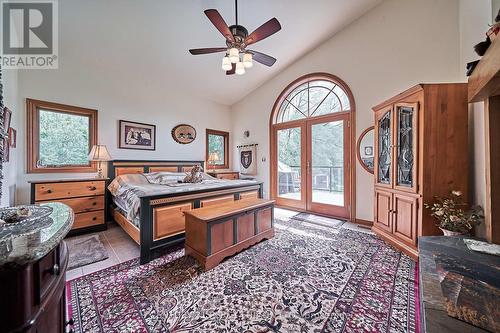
(128, 189)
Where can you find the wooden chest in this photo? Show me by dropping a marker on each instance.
(87, 198)
(216, 232)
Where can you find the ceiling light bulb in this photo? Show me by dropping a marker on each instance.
(240, 69)
(234, 55)
(226, 64)
(247, 60)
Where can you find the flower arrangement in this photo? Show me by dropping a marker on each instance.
(452, 217)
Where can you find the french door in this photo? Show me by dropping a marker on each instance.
(312, 160)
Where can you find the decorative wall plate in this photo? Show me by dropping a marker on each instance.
(184, 134)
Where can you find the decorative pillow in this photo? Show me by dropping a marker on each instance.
(164, 178)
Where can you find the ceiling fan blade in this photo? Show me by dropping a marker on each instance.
(232, 71)
(207, 50)
(267, 29)
(262, 58)
(217, 20)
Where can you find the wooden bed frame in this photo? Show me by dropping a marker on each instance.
(162, 221)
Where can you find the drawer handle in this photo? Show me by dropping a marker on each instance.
(94, 203)
(55, 270)
(93, 188)
(49, 191)
(94, 218)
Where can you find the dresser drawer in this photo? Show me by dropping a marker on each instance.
(228, 175)
(85, 204)
(89, 219)
(51, 191)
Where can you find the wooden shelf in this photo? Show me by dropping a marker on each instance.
(485, 80)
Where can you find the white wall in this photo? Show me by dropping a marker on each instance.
(396, 45)
(10, 169)
(475, 15)
(119, 96)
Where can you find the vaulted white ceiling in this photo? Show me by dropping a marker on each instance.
(148, 40)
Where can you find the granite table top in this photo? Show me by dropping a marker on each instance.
(434, 316)
(20, 247)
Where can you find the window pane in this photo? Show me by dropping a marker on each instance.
(64, 139)
(289, 163)
(288, 113)
(344, 99)
(216, 149)
(317, 96)
(329, 105)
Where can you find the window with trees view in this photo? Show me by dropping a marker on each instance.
(60, 137)
(217, 153)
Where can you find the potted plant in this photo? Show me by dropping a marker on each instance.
(453, 219)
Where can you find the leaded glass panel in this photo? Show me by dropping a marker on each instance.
(384, 149)
(405, 146)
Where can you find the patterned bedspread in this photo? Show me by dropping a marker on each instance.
(128, 189)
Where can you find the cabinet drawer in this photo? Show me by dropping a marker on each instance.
(83, 220)
(85, 204)
(46, 272)
(51, 191)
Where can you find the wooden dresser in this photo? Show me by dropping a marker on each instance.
(85, 196)
(421, 140)
(224, 174)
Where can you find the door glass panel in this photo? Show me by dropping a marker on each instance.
(405, 146)
(327, 167)
(289, 171)
(384, 149)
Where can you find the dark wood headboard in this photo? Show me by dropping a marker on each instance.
(123, 167)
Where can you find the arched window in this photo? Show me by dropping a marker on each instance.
(315, 97)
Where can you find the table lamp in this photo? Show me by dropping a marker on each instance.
(99, 153)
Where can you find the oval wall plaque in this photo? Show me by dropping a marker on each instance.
(184, 134)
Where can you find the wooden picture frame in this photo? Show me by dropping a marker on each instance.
(134, 135)
(367, 159)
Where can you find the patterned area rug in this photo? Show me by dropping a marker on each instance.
(308, 278)
(85, 250)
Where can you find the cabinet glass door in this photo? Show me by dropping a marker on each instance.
(406, 144)
(384, 147)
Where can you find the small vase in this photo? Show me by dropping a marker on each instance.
(452, 233)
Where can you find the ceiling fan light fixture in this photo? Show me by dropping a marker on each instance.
(234, 55)
(240, 68)
(247, 60)
(226, 64)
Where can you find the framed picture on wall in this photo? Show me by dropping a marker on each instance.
(7, 115)
(12, 137)
(132, 135)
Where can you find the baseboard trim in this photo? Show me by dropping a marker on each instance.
(363, 222)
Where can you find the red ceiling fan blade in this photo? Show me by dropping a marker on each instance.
(267, 29)
(232, 71)
(207, 50)
(262, 58)
(217, 20)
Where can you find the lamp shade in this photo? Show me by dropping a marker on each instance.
(247, 60)
(234, 55)
(226, 64)
(99, 153)
(240, 69)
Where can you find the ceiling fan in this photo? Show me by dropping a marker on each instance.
(238, 57)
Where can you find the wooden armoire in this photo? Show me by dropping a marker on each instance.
(421, 142)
